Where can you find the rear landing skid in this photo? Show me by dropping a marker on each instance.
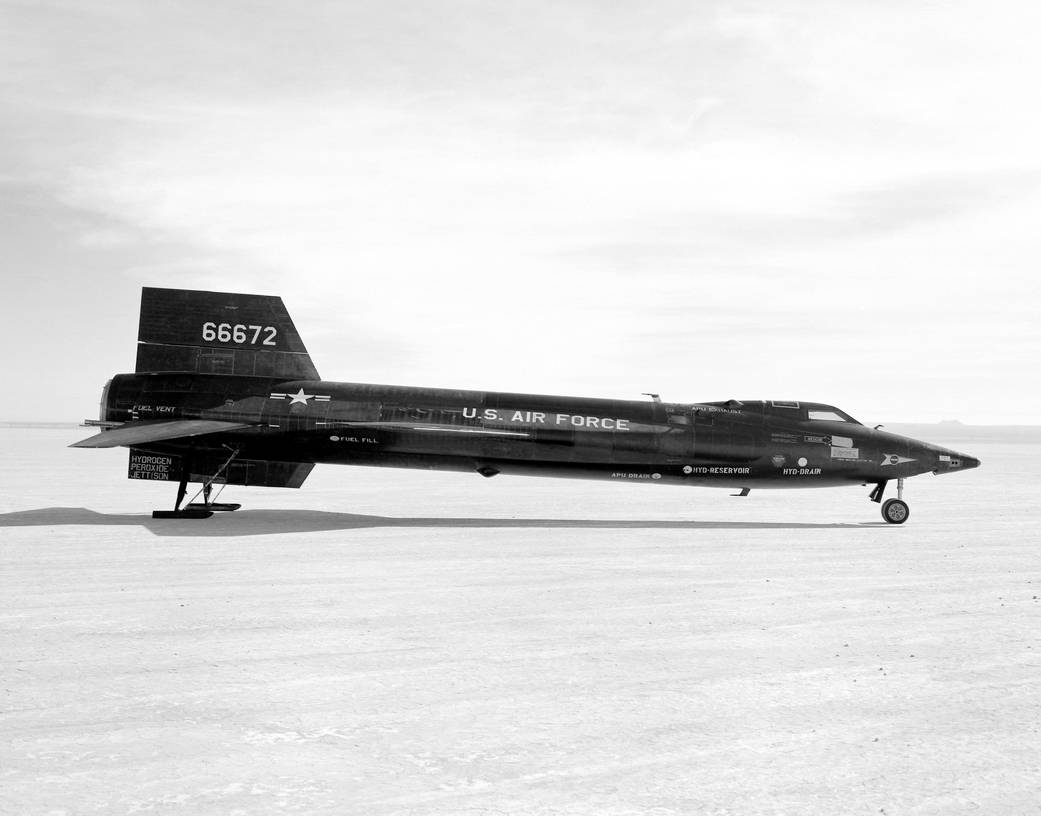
(205, 508)
(213, 507)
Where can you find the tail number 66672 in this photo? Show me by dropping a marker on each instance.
(242, 335)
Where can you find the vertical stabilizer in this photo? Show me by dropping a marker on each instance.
(219, 333)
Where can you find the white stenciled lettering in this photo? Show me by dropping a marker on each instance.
(599, 423)
(523, 417)
(239, 334)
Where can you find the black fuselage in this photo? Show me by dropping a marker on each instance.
(749, 444)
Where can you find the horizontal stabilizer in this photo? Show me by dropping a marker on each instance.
(140, 433)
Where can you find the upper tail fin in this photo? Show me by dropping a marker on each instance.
(219, 333)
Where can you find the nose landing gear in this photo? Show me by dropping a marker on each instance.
(894, 511)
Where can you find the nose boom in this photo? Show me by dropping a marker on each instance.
(948, 461)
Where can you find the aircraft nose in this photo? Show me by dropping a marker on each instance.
(948, 461)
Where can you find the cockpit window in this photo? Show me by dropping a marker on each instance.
(829, 415)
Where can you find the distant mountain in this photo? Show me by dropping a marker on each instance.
(954, 432)
(39, 425)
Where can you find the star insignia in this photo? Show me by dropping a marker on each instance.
(300, 397)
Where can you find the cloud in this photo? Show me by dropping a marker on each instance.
(575, 193)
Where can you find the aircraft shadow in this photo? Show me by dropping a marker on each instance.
(275, 522)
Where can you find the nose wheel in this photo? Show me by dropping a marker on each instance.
(894, 511)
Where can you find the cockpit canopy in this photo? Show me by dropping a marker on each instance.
(783, 409)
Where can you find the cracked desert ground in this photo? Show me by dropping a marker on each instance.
(393, 642)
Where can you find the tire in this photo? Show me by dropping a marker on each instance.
(895, 511)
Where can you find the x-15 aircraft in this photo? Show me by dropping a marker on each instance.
(224, 392)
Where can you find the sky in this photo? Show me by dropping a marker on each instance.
(827, 201)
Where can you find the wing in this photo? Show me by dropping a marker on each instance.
(139, 433)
